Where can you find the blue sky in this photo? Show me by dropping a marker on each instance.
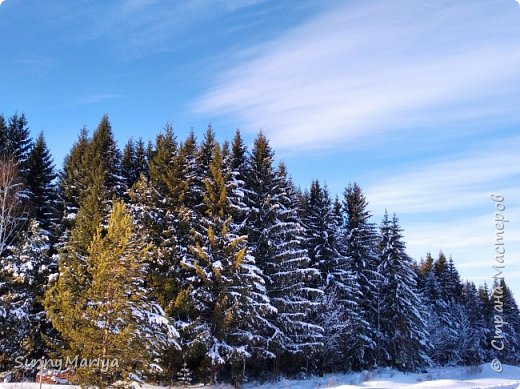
(417, 101)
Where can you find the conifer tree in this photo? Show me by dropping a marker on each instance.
(141, 158)
(361, 239)
(163, 174)
(236, 164)
(41, 185)
(18, 142)
(105, 160)
(129, 169)
(91, 173)
(290, 277)
(405, 337)
(276, 238)
(227, 299)
(116, 317)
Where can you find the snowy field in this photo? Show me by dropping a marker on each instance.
(448, 378)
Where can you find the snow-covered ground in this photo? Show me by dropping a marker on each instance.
(448, 378)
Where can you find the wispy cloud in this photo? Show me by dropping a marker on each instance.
(448, 183)
(371, 67)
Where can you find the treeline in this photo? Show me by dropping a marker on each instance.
(203, 261)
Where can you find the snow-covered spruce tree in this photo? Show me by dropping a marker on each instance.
(190, 188)
(402, 318)
(291, 281)
(43, 204)
(337, 311)
(226, 299)
(236, 164)
(320, 227)
(155, 202)
(116, 318)
(276, 239)
(361, 240)
(24, 273)
(197, 171)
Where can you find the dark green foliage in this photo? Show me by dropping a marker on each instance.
(41, 185)
(16, 141)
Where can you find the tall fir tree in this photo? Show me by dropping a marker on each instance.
(105, 160)
(276, 238)
(361, 240)
(226, 295)
(402, 319)
(42, 187)
(290, 277)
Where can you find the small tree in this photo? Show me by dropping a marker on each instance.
(184, 375)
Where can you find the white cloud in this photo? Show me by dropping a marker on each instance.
(2, 1)
(451, 183)
(370, 67)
